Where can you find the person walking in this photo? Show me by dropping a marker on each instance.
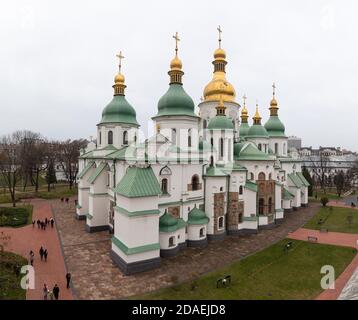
(31, 257)
(56, 291)
(38, 224)
(68, 280)
(33, 224)
(50, 294)
(41, 252)
(45, 255)
(52, 222)
(45, 220)
(45, 291)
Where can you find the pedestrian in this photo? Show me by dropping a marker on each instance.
(44, 225)
(45, 291)
(33, 224)
(61, 199)
(56, 291)
(31, 257)
(45, 220)
(48, 221)
(45, 255)
(52, 222)
(50, 295)
(38, 223)
(67, 200)
(41, 252)
(68, 279)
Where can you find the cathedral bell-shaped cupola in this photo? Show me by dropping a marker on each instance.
(220, 121)
(274, 126)
(119, 110)
(257, 130)
(219, 86)
(244, 126)
(176, 102)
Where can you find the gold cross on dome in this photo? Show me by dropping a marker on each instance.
(120, 57)
(244, 98)
(273, 89)
(176, 37)
(220, 31)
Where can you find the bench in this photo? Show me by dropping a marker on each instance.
(312, 239)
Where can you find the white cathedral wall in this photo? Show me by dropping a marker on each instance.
(136, 257)
(137, 204)
(83, 201)
(280, 144)
(194, 232)
(213, 185)
(208, 110)
(259, 166)
(228, 136)
(179, 237)
(118, 131)
(249, 203)
(237, 179)
(278, 194)
(304, 197)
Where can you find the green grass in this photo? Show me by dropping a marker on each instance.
(268, 274)
(15, 217)
(335, 220)
(10, 277)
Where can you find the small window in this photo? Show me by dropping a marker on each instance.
(189, 138)
(100, 137)
(252, 177)
(240, 190)
(125, 137)
(221, 147)
(110, 137)
(276, 148)
(211, 161)
(221, 222)
(201, 233)
(221, 189)
(262, 176)
(260, 146)
(165, 186)
(171, 242)
(195, 182)
(174, 136)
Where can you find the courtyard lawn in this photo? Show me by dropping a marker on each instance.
(10, 276)
(15, 217)
(268, 274)
(335, 220)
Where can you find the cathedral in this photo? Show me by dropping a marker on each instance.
(202, 176)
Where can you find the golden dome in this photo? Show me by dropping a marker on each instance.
(219, 87)
(176, 64)
(219, 54)
(257, 116)
(244, 111)
(273, 102)
(119, 78)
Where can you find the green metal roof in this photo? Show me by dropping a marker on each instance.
(251, 152)
(244, 129)
(125, 153)
(138, 182)
(251, 186)
(220, 122)
(287, 195)
(275, 127)
(167, 223)
(97, 172)
(295, 180)
(303, 179)
(109, 148)
(237, 148)
(86, 155)
(215, 172)
(197, 216)
(176, 102)
(86, 169)
(257, 131)
(119, 111)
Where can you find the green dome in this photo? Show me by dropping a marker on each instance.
(257, 130)
(237, 148)
(244, 129)
(119, 110)
(220, 123)
(275, 127)
(176, 102)
(197, 216)
(167, 220)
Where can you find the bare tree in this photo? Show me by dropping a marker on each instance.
(51, 152)
(10, 163)
(320, 169)
(68, 154)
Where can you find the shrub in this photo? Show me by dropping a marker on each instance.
(14, 217)
(324, 201)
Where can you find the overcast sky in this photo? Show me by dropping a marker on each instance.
(58, 61)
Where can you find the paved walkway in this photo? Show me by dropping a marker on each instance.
(28, 238)
(341, 204)
(350, 290)
(96, 277)
(334, 238)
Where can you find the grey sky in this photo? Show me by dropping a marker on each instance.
(58, 61)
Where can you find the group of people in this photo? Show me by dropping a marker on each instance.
(55, 292)
(43, 255)
(43, 224)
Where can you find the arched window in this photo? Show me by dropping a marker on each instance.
(165, 186)
(100, 138)
(240, 190)
(284, 148)
(110, 137)
(221, 147)
(171, 242)
(201, 233)
(270, 205)
(174, 136)
(261, 206)
(211, 161)
(195, 182)
(276, 148)
(259, 146)
(262, 176)
(252, 176)
(212, 142)
(221, 222)
(125, 137)
(135, 138)
(189, 138)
